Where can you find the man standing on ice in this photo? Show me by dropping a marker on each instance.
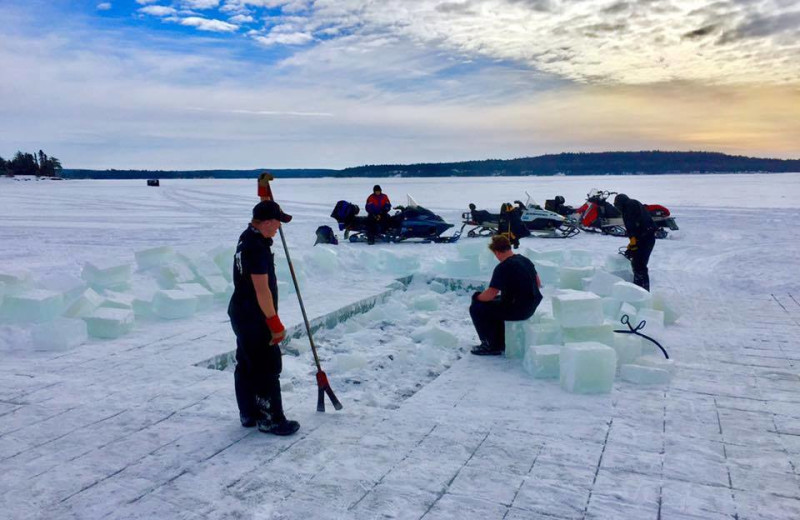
(516, 281)
(378, 207)
(253, 310)
(641, 230)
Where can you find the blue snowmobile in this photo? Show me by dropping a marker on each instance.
(410, 222)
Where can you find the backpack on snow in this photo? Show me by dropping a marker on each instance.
(325, 236)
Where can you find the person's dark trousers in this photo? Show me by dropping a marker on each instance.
(257, 376)
(373, 227)
(640, 259)
(489, 319)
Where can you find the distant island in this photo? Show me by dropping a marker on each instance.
(603, 163)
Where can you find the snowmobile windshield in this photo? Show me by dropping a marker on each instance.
(420, 213)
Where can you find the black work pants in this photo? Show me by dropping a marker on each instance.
(639, 260)
(257, 375)
(489, 320)
(376, 224)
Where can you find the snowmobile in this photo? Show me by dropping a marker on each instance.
(534, 221)
(410, 222)
(597, 215)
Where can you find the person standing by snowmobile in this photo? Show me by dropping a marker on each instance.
(253, 310)
(516, 282)
(641, 231)
(378, 207)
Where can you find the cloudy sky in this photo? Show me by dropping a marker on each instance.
(334, 83)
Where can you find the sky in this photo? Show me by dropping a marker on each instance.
(199, 84)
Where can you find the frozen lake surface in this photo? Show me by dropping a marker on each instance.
(137, 427)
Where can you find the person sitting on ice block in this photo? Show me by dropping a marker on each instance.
(516, 282)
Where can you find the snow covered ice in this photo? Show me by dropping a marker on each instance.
(134, 425)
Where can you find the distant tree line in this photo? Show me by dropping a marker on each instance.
(31, 164)
(602, 163)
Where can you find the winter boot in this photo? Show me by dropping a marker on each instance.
(484, 349)
(282, 428)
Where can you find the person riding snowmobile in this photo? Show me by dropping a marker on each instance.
(378, 207)
(641, 231)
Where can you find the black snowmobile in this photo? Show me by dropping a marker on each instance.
(411, 222)
(520, 219)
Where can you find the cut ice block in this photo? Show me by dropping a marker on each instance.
(628, 347)
(642, 375)
(59, 334)
(106, 275)
(437, 287)
(579, 258)
(667, 304)
(16, 280)
(117, 300)
(578, 309)
(471, 248)
(205, 299)
(35, 305)
(556, 257)
(425, 302)
(545, 333)
(202, 265)
(174, 273)
(587, 368)
(549, 273)
(542, 361)
(84, 305)
(174, 304)
(599, 333)
(626, 309)
(572, 277)
(434, 335)
(462, 267)
(154, 256)
(656, 361)
(633, 294)
(394, 263)
(323, 259)
(611, 307)
(218, 286)
(654, 319)
(618, 263)
(516, 334)
(223, 257)
(109, 323)
(69, 285)
(602, 283)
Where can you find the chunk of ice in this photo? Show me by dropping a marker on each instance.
(668, 304)
(462, 267)
(174, 304)
(578, 309)
(579, 258)
(202, 265)
(545, 333)
(16, 280)
(633, 294)
(643, 375)
(626, 309)
(59, 334)
(223, 257)
(516, 334)
(542, 361)
(323, 259)
(611, 307)
(471, 248)
(218, 286)
(425, 302)
(587, 368)
(618, 263)
(599, 333)
(69, 285)
(394, 263)
(434, 335)
(174, 273)
(549, 273)
(654, 319)
(656, 361)
(84, 305)
(572, 277)
(556, 256)
(109, 323)
(628, 347)
(437, 287)
(601, 283)
(35, 305)
(117, 300)
(205, 299)
(106, 275)
(154, 256)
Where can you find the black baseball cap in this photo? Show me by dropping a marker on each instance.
(270, 210)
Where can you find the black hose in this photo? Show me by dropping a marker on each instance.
(626, 321)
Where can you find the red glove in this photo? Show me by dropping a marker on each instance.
(277, 329)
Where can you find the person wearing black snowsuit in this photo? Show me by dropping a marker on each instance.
(516, 282)
(641, 231)
(253, 311)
